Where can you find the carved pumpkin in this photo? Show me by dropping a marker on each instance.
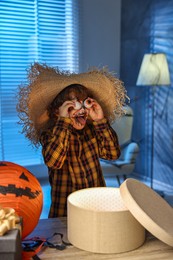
(20, 190)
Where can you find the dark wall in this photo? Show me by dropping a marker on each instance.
(135, 37)
(135, 41)
(100, 23)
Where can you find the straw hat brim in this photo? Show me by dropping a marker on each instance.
(45, 83)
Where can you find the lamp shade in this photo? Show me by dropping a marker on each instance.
(154, 70)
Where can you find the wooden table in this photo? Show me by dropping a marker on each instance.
(151, 249)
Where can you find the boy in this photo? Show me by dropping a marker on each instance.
(72, 123)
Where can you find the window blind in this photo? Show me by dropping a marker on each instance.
(35, 30)
(161, 42)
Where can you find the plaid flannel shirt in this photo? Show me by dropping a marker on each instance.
(72, 157)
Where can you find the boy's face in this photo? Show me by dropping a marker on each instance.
(79, 114)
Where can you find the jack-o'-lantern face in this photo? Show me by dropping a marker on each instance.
(20, 190)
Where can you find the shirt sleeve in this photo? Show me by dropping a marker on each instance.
(109, 148)
(55, 143)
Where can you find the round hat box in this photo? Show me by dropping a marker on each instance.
(114, 220)
(99, 222)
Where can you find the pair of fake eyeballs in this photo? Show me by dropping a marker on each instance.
(87, 103)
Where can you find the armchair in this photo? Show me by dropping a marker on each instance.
(125, 164)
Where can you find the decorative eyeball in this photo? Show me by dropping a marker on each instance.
(78, 105)
(88, 103)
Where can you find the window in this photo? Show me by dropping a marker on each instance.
(35, 30)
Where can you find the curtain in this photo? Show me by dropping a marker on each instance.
(35, 30)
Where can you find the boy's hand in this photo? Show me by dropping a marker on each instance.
(64, 110)
(96, 112)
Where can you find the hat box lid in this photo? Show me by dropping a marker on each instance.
(149, 208)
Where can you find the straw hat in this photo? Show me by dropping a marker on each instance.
(44, 83)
